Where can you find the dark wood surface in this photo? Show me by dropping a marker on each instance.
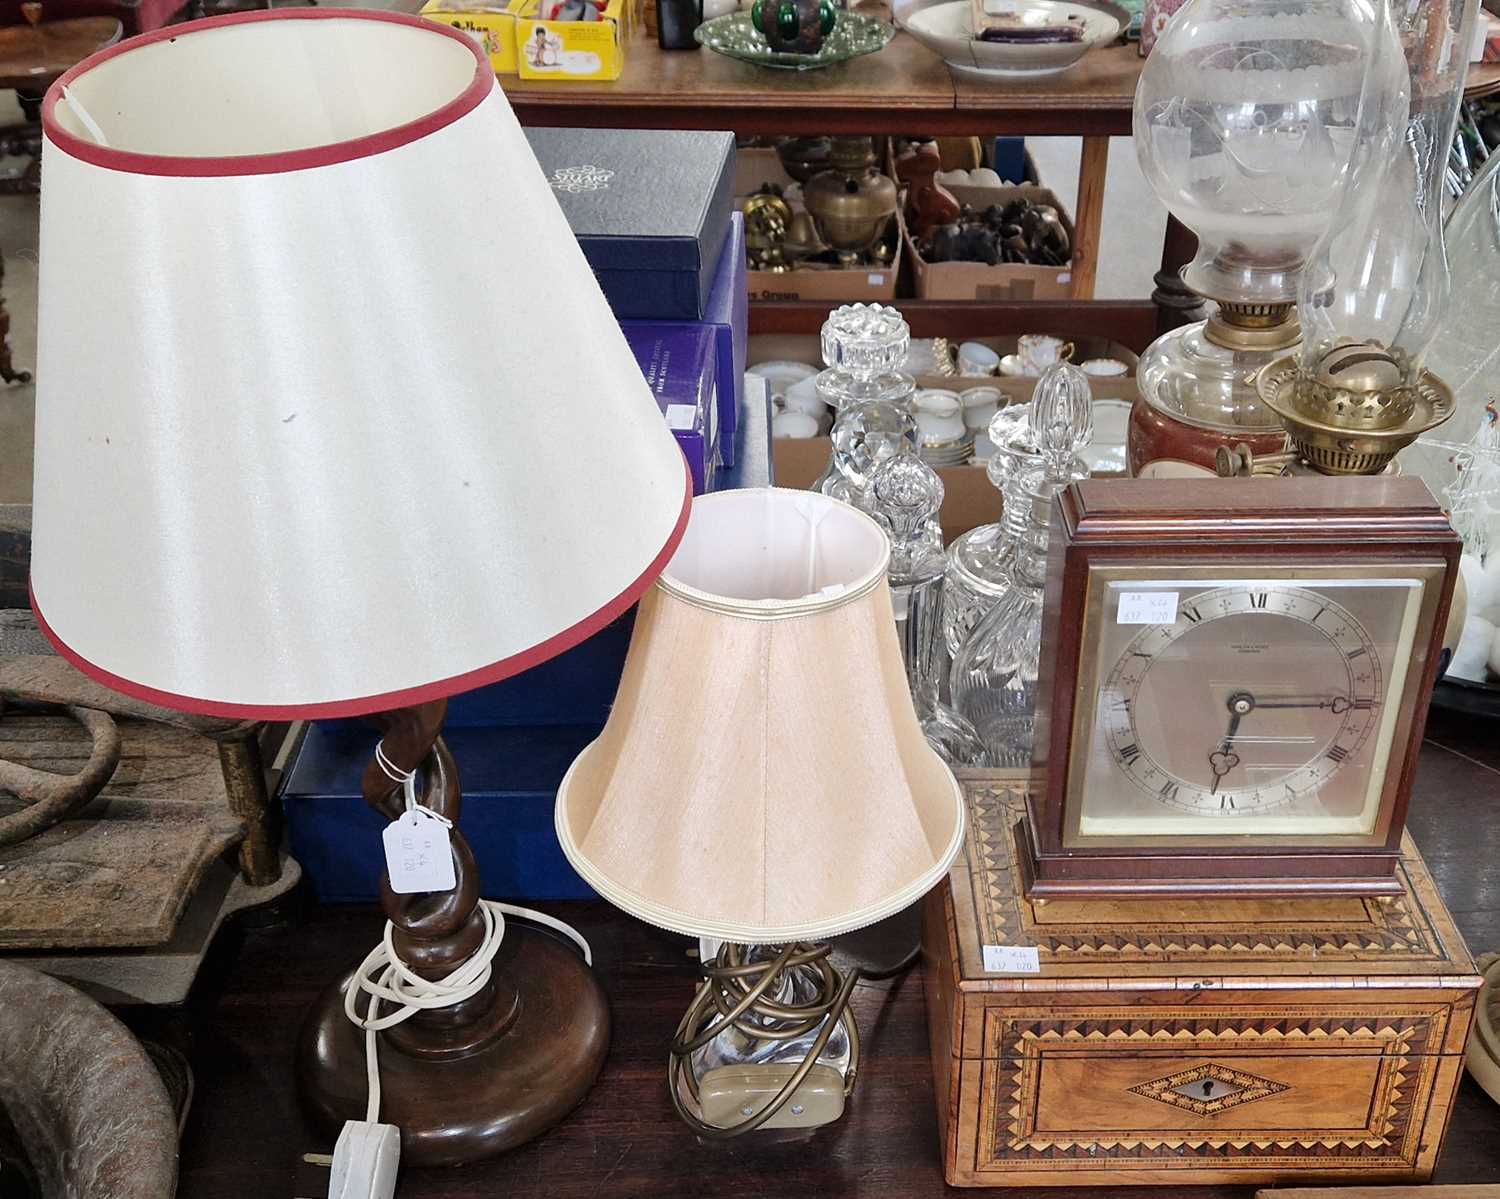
(32, 56)
(904, 88)
(245, 1135)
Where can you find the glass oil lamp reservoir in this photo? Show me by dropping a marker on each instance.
(1245, 119)
(1377, 284)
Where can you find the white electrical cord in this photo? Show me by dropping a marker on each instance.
(396, 984)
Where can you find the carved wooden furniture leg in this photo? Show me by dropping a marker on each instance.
(245, 786)
(472, 1080)
(1176, 305)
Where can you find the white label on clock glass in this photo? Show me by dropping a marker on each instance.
(1147, 607)
(1012, 959)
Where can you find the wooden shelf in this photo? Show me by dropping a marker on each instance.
(904, 88)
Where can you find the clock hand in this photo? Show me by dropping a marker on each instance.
(1222, 760)
(1338, 703)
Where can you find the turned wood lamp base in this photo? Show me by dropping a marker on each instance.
(451, 1110)
(496, 1068)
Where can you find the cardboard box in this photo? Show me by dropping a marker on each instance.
(969, 498)
(680, 362)
(979, 281)
(493, 28)
(757, 166)
(650, 209)
(571, 49)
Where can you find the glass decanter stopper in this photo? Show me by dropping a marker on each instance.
(994, 675)
(979, 561)
(864, 347)
(908, 494)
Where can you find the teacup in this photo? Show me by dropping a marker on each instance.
(1041, 350)
(977, 360)
(1105, 367)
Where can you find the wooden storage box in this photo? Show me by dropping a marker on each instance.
(1201, 1041)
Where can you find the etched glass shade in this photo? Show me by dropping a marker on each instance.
(1245, 116)
(1379, 276)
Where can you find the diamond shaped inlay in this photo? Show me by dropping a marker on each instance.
(1208, 1090)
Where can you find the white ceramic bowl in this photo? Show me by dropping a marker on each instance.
(946, 30)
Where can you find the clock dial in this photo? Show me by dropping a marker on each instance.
(1228, 708)
(1247, 736)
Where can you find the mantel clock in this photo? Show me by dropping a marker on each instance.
(1234, 685)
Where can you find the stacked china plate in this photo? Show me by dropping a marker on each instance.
(942, 437)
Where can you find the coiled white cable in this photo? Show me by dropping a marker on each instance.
(385, 978)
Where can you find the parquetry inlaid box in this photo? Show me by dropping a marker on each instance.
(1198, 1041)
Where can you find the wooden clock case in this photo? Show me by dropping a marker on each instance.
(1180, 522)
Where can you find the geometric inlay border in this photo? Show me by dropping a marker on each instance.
(1403, 1045)
(1389, 929)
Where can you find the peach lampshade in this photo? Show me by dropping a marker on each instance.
(762, 777)
(332, 416)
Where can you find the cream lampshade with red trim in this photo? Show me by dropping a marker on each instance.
(332, 416)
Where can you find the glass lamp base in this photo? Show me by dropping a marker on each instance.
(768, 1042)
(1196, 395)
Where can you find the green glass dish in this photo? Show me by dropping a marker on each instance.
(734, 35)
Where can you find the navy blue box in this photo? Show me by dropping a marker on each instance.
(513, 742)
(650, 209)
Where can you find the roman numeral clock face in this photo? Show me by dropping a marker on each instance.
(1256, 707)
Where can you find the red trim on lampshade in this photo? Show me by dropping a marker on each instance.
(266, 164)
(389, 700)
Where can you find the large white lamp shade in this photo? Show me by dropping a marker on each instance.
(331, 414)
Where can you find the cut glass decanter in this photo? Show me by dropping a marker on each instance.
(979, 561)
(994, 676)
(908, 494)
(864, 347)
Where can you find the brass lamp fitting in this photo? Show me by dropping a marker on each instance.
(1355, 411)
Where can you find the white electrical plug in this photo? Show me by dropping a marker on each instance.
(365, 1161)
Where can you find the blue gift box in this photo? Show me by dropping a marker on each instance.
(728, 314)
(680, 364)
(650, 209)
(512, 740)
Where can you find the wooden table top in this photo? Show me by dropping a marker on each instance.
(1483, 80)
(32, 56)
(904, 88)
(245, 1137)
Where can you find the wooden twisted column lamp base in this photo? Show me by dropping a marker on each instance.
(487, 1074)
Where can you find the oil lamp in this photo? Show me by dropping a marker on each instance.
(1245, 119)
(1377, 284)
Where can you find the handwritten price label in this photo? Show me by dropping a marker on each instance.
(1011, 959)
(418, 856)
(1147, 607)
